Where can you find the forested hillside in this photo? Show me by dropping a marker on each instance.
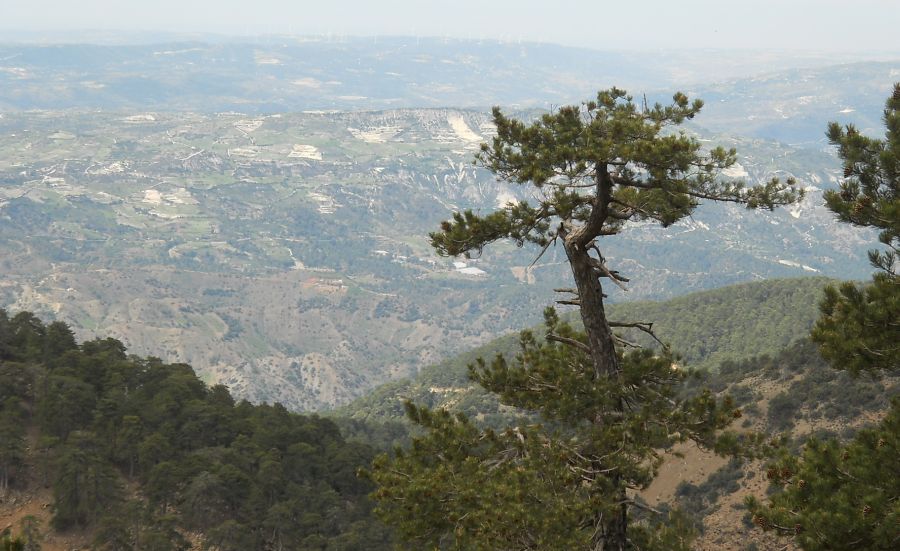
(140, 454)
(706, 328)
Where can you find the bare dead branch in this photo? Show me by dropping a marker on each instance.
(646, 327)
(571, 342)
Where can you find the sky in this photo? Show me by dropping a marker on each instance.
(812, 25)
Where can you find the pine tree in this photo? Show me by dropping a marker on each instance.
(12, 436)
(86, 486)
(859, 328)
(592, 169)
(847, 496)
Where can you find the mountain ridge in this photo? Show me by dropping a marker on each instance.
(704, 329)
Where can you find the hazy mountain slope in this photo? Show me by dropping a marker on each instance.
(287, 256)
(790, 105)
(276, 74)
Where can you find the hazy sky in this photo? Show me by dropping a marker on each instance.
(842, 25)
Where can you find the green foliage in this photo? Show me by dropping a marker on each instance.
(640, 172)
(30, 533)
(463, 488)
(86, 486)
(847, 496)
(135, 527)
(732, 325)
(246, 476)
(8, 543)
(593, 169)
(837, 496)
(858, 329)
(870, 191)
(12, 434)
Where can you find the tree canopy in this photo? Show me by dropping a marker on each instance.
(859, 329)
(593, 168)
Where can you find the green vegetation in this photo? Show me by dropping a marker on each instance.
(244, 476)
(836, 495)
(858, 329)
(704, 329)
(544, 487)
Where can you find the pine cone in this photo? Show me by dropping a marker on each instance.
(760, 521)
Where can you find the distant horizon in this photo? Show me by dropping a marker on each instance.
(796, 26)
(125, 37)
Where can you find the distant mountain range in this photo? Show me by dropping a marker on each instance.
(279, 74)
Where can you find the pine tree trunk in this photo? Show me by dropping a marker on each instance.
(617, 536)
(590, 293)
(612, 535)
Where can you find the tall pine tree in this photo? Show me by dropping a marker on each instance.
(592, 168)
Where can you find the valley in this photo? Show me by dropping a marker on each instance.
(286, 255)
(283, 291)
